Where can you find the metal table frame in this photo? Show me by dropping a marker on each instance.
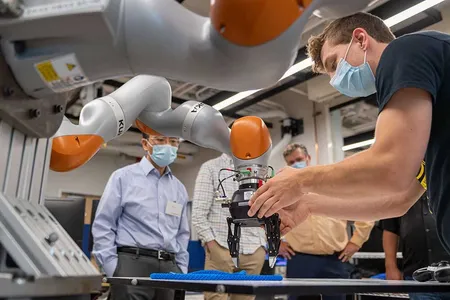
(290, 287)
(48, 287)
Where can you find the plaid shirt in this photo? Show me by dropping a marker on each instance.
(209, 219)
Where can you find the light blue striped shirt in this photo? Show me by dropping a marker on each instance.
(132, 212)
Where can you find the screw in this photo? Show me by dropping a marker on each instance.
(220, 288)
(35, 113)
(58, 109)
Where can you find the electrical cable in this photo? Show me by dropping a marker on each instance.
(221, 185)
(220, 181)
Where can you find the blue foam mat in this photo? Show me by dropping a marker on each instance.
(215, 275)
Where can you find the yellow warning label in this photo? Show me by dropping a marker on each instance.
(47, 71)
(70, 66)
(62, 73)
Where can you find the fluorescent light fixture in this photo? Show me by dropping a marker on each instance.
(394, 20)
(233, 99)
(410, 12)
(239, 96)
(358, 145)
(298, 67)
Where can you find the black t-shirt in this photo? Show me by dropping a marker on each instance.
(422, 60)
(420, 244)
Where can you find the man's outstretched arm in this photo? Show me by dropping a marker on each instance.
(365, 209)
(387, 168)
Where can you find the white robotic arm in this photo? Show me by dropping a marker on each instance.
(54, 46)
(145, 100)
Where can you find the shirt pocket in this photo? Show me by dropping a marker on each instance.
(173, 221)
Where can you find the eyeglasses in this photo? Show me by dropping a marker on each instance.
(162, 140)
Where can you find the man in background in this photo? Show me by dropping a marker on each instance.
(420, 245)
(209, 220)
(320, 246)
(141, 224)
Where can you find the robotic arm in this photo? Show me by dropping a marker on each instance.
(53, 47)
(147, 100)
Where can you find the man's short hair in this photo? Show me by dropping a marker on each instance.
(292, 147)
(340, 31)
(145, 136)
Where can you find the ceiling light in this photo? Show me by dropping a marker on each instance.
(358, 145)
(239, 96)
(394, 20)
(410, 12)
(233, 99)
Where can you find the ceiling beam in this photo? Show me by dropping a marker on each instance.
(360, 137)
(371, 100)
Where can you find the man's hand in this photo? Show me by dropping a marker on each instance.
(211, 245)
(348, 252)
(393, 273)
(279, 192)
(285, 250)
(292, 215)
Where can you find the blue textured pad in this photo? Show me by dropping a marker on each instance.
(379, 276)
(215, 275)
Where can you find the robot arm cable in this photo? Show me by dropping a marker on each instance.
(221, 181)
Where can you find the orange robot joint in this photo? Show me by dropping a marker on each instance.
(255, 22)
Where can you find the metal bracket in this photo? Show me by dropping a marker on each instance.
(39, 118)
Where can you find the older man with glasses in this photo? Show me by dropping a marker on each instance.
(141, 225)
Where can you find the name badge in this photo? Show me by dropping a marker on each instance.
(174, 209)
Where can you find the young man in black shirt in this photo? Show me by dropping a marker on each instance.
(416, 232)
(411, 75)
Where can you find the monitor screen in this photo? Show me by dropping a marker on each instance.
(70, 214)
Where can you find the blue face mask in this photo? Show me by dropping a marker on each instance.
(354, 81)
(299, 165)
(164, 155)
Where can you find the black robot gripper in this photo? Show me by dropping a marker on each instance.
(239, 218)
(436, 272)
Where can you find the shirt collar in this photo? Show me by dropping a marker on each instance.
(148, 168)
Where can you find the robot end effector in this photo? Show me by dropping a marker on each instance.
(251, 147)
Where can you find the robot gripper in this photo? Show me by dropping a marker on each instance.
(239, 219)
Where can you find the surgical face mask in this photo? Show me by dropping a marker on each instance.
(354, 81)
(163, 155)
(299, 165)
